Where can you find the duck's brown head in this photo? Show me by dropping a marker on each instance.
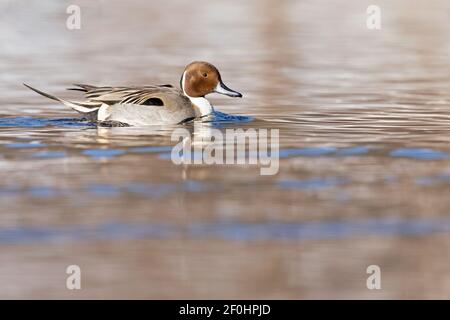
(201, 78)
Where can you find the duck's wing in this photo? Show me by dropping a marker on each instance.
(152, 95)
(167, 104)
(144, 95)
(141, 105)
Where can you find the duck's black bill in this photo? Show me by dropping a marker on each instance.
(223, 89)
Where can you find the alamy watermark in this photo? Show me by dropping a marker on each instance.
(373, 21)
(374, 280)
(73, 281)
(73, 21)
(230, 146)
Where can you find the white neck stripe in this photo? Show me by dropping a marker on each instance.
(201, 103)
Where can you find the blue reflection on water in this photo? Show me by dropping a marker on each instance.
(42, 192)
(233, 231)
(433, 180)
(419, 154)
(30, 122)
(24, 145)
(104, 190)
(49, 154)
(151, 149)
(321, 229)
(313, 151)
(157, 190)
(108, 231)
(103, 153)
(219, 119)
(311, 184)
(353, 151)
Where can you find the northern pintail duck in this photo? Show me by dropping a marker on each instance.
(152, 104)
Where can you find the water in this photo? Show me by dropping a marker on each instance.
(364, 152)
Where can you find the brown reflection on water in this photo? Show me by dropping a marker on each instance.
(365, 159)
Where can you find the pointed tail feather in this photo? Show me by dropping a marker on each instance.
(76, 89)
(43, 93)
(78, 106)
(83, 87)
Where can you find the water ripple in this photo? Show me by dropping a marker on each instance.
(311, 184)
(234, 231)
(31, 122)
(419, 154)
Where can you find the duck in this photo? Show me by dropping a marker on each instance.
(150, 104)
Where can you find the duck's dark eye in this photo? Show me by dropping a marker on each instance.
(205, 75)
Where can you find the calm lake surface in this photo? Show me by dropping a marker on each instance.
(364, 178)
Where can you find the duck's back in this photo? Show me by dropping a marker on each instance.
(141, 105)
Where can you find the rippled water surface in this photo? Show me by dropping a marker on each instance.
(364, 178)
